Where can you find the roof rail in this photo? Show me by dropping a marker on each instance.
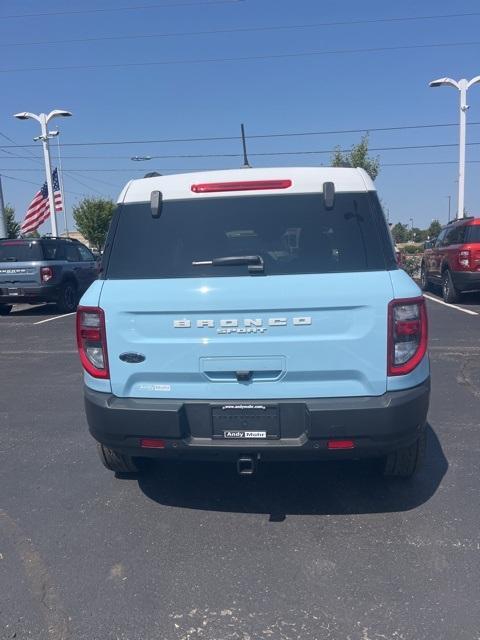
(460, 219)
(50, 237)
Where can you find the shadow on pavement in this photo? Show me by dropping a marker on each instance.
(34, 310)
(281, 489)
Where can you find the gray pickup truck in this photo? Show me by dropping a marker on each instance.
(47, 269)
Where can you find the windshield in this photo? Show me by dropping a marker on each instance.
(20, 251)
(291, 234)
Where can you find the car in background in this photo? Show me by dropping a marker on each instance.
(46, 269)
(452, 261)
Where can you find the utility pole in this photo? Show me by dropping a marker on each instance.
(3, 217)
(449, 206)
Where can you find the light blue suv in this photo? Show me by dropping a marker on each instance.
(250, 315)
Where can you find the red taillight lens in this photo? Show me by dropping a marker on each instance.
(407, 335)
(340, 444)
(46, 273)
(152, 443)
(464, 258)
(91, 341)
(251, 185)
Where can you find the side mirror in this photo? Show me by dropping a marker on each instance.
(329, 194)
(156, 202)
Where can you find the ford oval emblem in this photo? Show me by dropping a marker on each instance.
(132, 358)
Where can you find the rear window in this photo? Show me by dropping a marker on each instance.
(20, 251)
(473, 233)
(293, 234)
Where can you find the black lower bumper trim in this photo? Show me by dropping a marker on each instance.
(376, 424)
(466, 280)
(45, 293)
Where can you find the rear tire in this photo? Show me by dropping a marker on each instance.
(68, 298)
(424, 282)
(5, 309)
(449, 292)
(404, 463)
(116, 461)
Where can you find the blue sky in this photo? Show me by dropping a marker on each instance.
(339, 91)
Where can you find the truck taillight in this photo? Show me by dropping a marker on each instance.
(246, 185)
(407, 335)
(92, 342)
(46, 273)
(464, 258)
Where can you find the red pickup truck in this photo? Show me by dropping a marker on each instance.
(452, 261)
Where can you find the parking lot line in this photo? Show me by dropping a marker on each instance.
(65, 315)
(453, 306)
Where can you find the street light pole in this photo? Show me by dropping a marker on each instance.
(48, 172)
(462, 86)
(44, 119)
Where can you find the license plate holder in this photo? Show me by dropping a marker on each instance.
(14, 291)
(245, 421)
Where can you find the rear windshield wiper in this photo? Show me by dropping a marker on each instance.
(255, 263)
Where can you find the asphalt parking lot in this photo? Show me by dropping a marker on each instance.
(194, 552)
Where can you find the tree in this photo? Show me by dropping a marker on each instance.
(418, 235)
(13, 227)
(434, 229)
(357, 157)
(92, 217)
(400, 232)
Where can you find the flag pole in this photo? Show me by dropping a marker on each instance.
(62, 189)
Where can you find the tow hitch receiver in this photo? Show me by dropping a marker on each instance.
(246, 466)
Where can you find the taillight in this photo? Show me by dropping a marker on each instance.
(407, 335)
(92, 342)
(248, 185)
(340, 444)
(464, 258)
(46, 274)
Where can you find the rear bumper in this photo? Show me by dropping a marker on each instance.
(466, 280)
(378, 425)
(23, 293)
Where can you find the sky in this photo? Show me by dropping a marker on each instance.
(370, 73)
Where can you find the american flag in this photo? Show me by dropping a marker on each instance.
(39, 209)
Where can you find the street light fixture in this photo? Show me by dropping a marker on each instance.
(44, 136)
(140, 158)
(462, 86)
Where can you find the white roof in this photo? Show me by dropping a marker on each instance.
(304, 180)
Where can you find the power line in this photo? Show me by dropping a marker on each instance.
(35, 183)
(302, 152)
(109, 184)
(130, 171)
(314, 25)
(277, 56)
(411, 164)
(83, 184)
(249, 137)
(33, 158)
(129, 8)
